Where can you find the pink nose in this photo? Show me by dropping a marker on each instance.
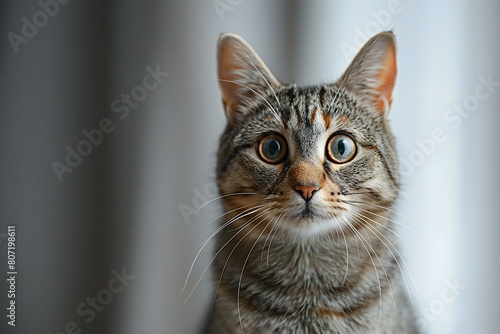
(307, 192)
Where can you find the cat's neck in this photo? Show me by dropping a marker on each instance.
(336, 272)
(335, 259)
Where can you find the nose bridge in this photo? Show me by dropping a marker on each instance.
(306, 139)
(305, 173)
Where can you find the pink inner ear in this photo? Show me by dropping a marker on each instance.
(387, 79)
(226, 67)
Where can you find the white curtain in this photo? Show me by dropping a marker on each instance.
(129, 205)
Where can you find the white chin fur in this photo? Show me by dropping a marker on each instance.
(316, 226)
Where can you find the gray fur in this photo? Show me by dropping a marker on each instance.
(276, 269)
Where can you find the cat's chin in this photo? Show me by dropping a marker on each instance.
(307, 214)
(310, 224)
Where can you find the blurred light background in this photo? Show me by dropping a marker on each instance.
(128, 205)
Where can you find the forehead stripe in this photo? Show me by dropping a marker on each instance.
(327, 119)
(313, 114)
(299, 116)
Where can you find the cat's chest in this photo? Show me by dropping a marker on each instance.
(322, 287)
(302, 278)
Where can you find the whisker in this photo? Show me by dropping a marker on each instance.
(343, 84)
(238, 216)
(388, 209)
(347, 253)
(357, 233)
(244, 265)
(371, 228)
(256, 93)
(269, 235)
(393, 232)
(380, 216)
(220, 197)
(278, 223)
(222, 215)
(267, 82)
(231, 253)
(253, 219)
(388, 228)
(215, 256)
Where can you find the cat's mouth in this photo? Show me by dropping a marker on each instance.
(311, 220)
(308, 213)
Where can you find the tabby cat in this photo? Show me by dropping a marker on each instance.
(307, 177)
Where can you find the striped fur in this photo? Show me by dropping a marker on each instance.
(329, 265)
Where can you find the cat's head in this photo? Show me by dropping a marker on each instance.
(307, 159)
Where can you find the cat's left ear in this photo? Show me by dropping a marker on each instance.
(372, 73)
(243, 76)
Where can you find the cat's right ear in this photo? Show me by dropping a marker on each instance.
(372, 73)
(243, 76)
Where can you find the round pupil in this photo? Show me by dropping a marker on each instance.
(272, 147)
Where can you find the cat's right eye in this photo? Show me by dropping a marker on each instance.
(272, 149)
(341, 148)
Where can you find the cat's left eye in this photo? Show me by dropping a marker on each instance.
(341, 148)
(272, 149)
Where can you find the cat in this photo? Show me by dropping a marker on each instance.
(307, 177)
